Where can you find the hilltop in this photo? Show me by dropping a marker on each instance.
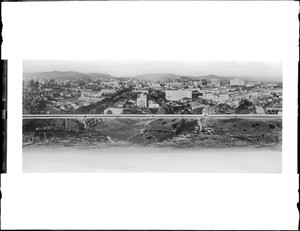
(155, 77)
(63, 76)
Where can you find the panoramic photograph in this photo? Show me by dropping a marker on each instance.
(152, 116)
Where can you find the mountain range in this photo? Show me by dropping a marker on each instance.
(70, 75)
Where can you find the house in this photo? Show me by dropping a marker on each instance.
(274, 108)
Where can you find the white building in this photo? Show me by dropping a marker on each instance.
(90, 96)
(215, 82)
(142, 100)
(176, 95)
(237, 82)
(141, 90)
(153, 104)
(87, 93)
(156, 85)
(207, 95)
(223, 97)
(107, 91)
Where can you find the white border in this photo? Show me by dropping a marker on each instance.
(150, 30)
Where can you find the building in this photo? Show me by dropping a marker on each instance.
(223, 97)
(202, 82)
(89, 93)
(174, 85)
(215, 82)
(176, 95)
(275, 108)
(156, 85)
(142, 100)
(141, 90)
(153, 104)
(215, 97)
(107, 91)
(237, 82)
(207, 95)
(195, 89)
(90, 96)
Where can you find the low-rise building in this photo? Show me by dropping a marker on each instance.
(107, 92)
(207, 95)
(223, 97)
(275, 108)
(176, 95)
(153, 104)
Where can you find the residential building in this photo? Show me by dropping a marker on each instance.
(142, 100)
(176, 95)
(275, 108)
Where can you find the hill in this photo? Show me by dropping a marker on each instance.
(63, 76)
(71, 75)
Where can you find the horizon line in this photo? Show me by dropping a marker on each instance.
(157, 73)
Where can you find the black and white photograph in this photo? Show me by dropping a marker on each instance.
(150, 115)
(164, 116)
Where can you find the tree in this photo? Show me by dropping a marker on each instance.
(165, 109)
(36, 85)
(31, 84)
(38, 105)
(245, 107)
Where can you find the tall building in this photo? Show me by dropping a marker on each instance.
(142, 100)
(176, 95)
(237, 82)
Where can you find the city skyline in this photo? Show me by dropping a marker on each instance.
(266, 70)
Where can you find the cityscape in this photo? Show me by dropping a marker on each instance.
(156, 112)
(112, 116)
(79, 93)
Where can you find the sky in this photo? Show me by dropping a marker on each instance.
(267, 70)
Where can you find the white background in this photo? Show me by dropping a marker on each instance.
(208, 31)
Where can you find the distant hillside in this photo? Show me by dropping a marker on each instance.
(158, 77)
(172, 77)
(70, 75)
(63, 76)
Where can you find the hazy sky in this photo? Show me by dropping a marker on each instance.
(268, 70)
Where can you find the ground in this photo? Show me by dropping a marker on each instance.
(202, 133)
